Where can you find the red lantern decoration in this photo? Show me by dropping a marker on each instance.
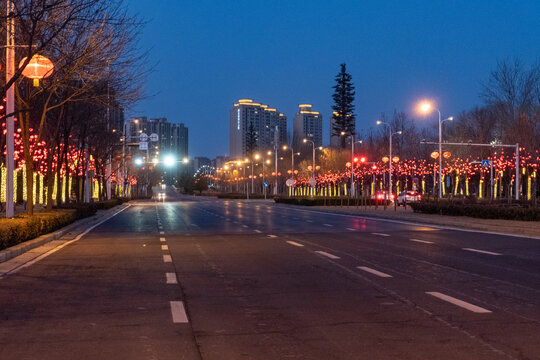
(447, 154)
(435, 155)
(38, 67)
(385, 159)
(395, 159)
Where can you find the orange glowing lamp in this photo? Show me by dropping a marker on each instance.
(38, 67)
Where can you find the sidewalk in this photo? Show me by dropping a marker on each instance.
(512, 227)
(17, 255)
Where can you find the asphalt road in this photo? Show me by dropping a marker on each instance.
(194, 278)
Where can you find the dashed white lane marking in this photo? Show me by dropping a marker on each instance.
(162, 233)
(244, 226)
(171, 278)
(457, 302)
(258, 231)
(351, 229)
(421, 241)
(482, 251)
(374, 272)
(195, 225)
(309, 221)
(295, 243)
(380, 234)
(162, 239)
(272, 236)
(328, 255)
(167, 258)
(329, 225)
(164, 247)
(178, 312)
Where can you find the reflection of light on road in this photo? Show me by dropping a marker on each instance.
(423, 228)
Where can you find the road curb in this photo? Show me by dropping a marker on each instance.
(28, 245)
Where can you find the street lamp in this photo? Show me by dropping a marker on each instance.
(313, 170)
(352, 157)
(390, 154)
(426, 107)
(292, 161)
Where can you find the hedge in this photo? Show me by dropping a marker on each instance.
(242, 196)
(23, 227)
(329, 201)
(483, 211)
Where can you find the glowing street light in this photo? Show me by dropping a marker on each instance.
(427, 107)
(390, 154)
(139, 161)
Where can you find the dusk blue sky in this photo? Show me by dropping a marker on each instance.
(209, 53)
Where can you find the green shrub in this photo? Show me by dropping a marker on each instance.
(329, 201)
(479, 210)
(23, 228)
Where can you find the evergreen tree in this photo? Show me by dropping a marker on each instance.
(251, 140)
(344, 118)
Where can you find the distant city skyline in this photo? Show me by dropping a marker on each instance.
(209, 54)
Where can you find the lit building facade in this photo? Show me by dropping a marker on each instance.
(307, 124)
(264, 119)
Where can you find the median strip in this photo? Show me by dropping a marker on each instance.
(457, 302)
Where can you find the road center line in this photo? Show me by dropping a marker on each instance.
(457, 302)
(167, 258)
(380, 234)
(373, 271)
(162, 233)
(482, 251)
(328, 255)
(162, 239)
(328, 225)
(272, 236)
(421, 241)
(295, 243)
(164, 247)
(178, 312)
(171, 278)
(350, 229)
(257, 231)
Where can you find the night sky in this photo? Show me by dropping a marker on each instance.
(206, 54)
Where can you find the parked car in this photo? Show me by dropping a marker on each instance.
(383, 195)
(408, 197)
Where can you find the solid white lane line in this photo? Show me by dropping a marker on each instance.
(380, 234)
(164, 247)
(272, 236)
(328, 225)
(351, 229)
(167, 258)
(457, 302)
(162, 239)
(171, 278)
(328, 255)
(374, 272)
(178, 312)
(258, 231)
(295, 243)
(482, 251)
(421, 241)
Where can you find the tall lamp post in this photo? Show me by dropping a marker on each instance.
(10, 107)
(352, 157)
(427, 107)
(285, 147)
(390, 131)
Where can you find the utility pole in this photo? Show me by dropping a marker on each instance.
(10, 108)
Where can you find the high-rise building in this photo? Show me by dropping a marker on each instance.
(307, 124)
(172, 138)
(335, 140)
(264, 120)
